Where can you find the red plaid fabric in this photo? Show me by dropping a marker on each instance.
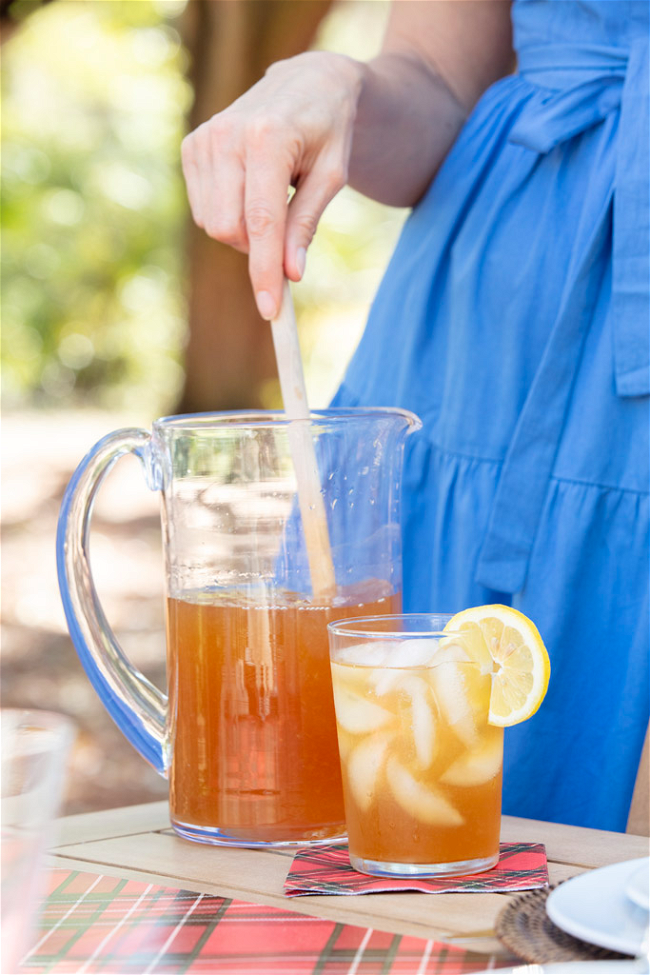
(327, 870)
(97, 924)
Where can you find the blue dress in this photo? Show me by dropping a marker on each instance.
(514, 320)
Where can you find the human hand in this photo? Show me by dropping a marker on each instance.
(294, 127)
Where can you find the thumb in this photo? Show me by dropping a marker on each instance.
(315, 191)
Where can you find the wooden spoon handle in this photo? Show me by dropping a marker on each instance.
(310, 499)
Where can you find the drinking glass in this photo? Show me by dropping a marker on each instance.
(421, 765)
(35, 748)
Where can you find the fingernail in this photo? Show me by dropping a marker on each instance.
(265, 305)
(301, 260)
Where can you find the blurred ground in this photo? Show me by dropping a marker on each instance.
(39, 665)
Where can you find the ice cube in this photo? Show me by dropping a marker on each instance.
(404, 655)
(450, 686)
(450, 651)
(476, 766)
(372, 653)
(356, 713)
(364, 767)
(471, 642)
(346, 743)
(384, 679)
(413, 653)
(419, 801)
(422, 724)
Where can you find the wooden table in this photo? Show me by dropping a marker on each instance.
(137, 843)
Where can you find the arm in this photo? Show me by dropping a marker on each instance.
(320, 119)
(437, 58)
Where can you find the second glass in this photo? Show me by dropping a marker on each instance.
(35, 746)
(421, 765)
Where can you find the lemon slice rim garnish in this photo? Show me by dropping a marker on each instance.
(508, 681)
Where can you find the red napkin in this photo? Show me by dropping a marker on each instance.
(327, 870)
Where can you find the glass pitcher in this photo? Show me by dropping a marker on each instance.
(246, 733)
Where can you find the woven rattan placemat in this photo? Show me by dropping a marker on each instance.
(526, 929)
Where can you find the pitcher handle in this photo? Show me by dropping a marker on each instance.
(138, 707)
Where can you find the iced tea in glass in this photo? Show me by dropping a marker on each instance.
(421, 765)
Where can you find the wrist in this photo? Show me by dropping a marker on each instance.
(336, 74)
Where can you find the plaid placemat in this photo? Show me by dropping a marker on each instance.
(327, 870)
(93, 923)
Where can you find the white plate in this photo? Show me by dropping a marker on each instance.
(594, 907)
(638, 886)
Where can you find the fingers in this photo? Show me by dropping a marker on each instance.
(223, 205)
(318, 187)
(215, 184)
(294, 125)
(239, 196)
(192, 175)
(268, 174)
(243, 201)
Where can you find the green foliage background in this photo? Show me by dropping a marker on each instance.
(95, 98)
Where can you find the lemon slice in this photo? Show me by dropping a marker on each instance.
(519, 661)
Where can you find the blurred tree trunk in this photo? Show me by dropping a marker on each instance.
(13, 13)
(232, 42)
